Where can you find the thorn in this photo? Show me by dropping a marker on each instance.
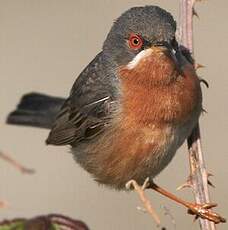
(194, 12)
(210, 174)
(208, 181)
(185, 185)
(210, 205)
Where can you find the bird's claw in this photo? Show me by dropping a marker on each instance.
(204, 211)
(134, 184)
(146, 184)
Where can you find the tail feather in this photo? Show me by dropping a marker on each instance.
(36, 110)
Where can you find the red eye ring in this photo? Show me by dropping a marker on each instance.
(135, 42)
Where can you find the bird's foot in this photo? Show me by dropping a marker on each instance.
(199, 210)
(146, 202)
(204, 211)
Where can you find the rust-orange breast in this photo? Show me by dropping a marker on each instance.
(154, 92)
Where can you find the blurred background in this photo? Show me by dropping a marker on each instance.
(44, 45)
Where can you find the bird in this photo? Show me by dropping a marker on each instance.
(131, 108)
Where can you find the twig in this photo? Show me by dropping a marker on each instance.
(16, 164)
(199, 177)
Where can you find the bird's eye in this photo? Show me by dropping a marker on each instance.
(135, 42)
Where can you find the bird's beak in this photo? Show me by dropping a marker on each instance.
(173, 51)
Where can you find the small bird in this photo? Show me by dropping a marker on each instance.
(131, 108)
(134, 105)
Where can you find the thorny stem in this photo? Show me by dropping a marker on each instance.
(199, 177)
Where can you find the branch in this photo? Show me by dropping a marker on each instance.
(16, 164)
(199, 176)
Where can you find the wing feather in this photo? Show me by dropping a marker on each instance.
(88, 109)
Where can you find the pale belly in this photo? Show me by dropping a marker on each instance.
(172, 139)
(115, 158)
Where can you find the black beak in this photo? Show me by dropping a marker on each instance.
(174, 53)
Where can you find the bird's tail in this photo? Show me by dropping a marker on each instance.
(37, 110)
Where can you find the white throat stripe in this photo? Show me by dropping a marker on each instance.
(143, 54)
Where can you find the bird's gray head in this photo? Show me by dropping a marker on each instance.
(138, 29)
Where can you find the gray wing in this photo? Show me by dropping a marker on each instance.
(89, 108)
